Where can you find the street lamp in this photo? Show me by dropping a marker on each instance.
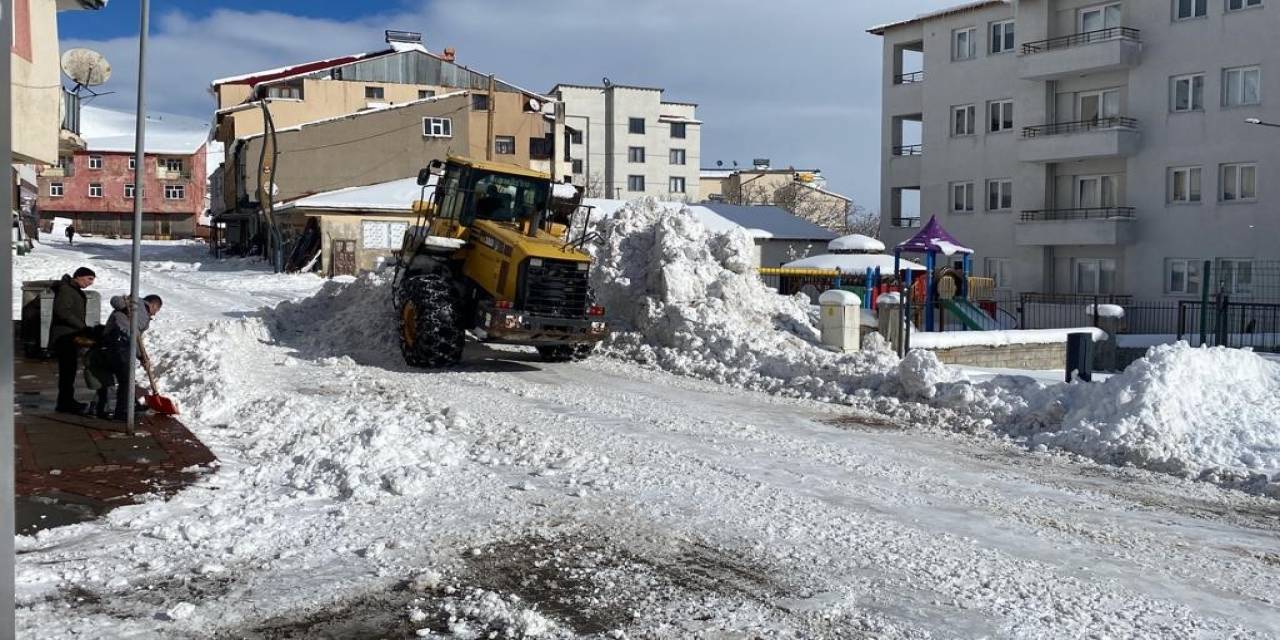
(1260, 122)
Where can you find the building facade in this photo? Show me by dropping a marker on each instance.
(627, 142)
(1089, 148)
(94, 187)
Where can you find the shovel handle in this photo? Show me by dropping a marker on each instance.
(146, 364)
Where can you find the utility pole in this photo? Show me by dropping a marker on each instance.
(489, 138)
(6, 345)
(139, 193)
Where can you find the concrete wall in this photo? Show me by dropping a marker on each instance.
(349, 226)
(36, 82)
(355, 151)
(775, 253)
(1033, 357)
(1208, 138)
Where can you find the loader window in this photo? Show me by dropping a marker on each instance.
(508, 198)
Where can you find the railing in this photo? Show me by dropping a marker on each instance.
(1226, 323)
(908, 150)
(1085, 213)
(909, 78)
(906, 223)
(173, 174)
(71, 112)
(1059, 128)
(1081, 39)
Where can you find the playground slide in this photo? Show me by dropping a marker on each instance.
(970, 315)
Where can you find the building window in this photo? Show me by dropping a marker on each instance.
(962, 44)
(504, 145)
(291, 92)
(962, 120)
(1188, 93)
(423, 94)
(128, 192)
(1001, 113)
(1239, 182)
(677, 129)
(1095, 275)
(1241, 86)
(635, 154)
(1099, 18)
(962, 197)
(437, 127)
(635, 183)
(1236, 5)
(373, 93)
(1188, 9)
(1000, 270)
(677, 156)
(380, 234)
(1096, 191)
(577, 167)
(635, 125)
(55, 189)
(575, 136)
(175, 192)
(1184, 185)
(676, 185)
(95, 190)
(95, 162)
(480, 102)
(133, 163)
(999, 195)
(173, 165)
(1182, 276)
(1002, 36)
(1236, 276)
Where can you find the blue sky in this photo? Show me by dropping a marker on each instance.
(797, 82)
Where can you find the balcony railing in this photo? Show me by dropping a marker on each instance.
(1085, 213)
(908, 150)
(909, 78)
(71, 112)
(1082, 39)
(906, 223)
(1059, 128)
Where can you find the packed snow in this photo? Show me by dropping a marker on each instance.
(950, 339)
(853, 263)
(855, 243)
(861, 495)
(1105, 310)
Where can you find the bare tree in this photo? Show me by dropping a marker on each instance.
(593, 186)
(863, 220)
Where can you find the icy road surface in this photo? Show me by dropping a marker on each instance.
(605, 500)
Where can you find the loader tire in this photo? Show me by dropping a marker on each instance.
(567, 353)
(432, 331)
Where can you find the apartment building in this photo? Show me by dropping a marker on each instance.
(627, 142)
(369, 118)
(94, 186)
(1089, 147)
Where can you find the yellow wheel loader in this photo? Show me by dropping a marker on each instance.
(491, 254)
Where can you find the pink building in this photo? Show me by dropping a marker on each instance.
(94, 187)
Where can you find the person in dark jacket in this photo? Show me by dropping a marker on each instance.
(71, 235)
(115, 346)
(67, 332)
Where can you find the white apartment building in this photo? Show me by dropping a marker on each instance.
(627, 142)
(1090, 147)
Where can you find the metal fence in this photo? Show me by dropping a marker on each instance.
(1081, 39)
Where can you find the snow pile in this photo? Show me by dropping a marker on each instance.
(350, 317)
(1105, 310)
(479, 613)
(687, 300)
(1181, 410)
(855, 243)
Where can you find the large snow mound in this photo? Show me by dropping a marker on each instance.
(1183, 410)
(351, 317)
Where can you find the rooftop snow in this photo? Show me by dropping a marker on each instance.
(969, 6)
(395, 196)
(856, 242)
(108, 130)
(777, 221)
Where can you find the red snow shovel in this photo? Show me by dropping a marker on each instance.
(156, 402)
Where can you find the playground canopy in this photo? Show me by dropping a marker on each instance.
(855, 243)
(932, 238)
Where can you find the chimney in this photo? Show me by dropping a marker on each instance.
(449, 54)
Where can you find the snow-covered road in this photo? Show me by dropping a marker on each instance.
(358, 498)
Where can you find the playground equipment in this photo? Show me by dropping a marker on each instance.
(932, 240)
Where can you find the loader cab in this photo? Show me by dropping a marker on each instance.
(469, 191)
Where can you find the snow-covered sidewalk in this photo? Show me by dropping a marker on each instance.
(360, 498)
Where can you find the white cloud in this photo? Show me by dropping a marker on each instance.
(798, 82)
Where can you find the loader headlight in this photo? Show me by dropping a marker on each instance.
(597, 327)
(583, 266)
(535, 262)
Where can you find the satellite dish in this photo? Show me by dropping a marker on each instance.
(719, 163)
(86, 67)
(534, 105)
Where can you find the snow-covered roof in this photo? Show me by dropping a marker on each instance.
(679, 119)
(853, 262)
(113, 131)
(715, 173)
(393, 196)
(780, 223)
(710, 219)
(856, 242)
(968, 6)
(265, 75)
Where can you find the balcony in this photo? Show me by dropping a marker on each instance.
(908, 150)
(914, 77)
(1080, 54)
(163, 173)
(1097, 226)
(1111, 137)
(904, 167)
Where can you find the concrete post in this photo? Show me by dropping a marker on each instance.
(841, 320)
(1110, 318)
